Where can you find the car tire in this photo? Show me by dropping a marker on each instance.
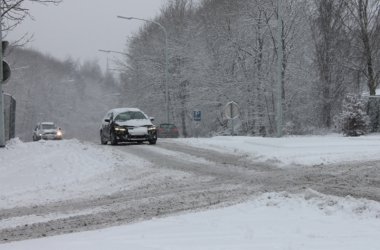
(152, 142)
(113, 139)
(103, 140)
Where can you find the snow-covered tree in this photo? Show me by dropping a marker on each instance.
(75, 96)
(14, 12)
(331, 43)
(365, 26)
(353, 120)
(222, 50)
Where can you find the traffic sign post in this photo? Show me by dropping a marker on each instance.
(197, 115)
(231, 111)
(2, 127)
(5, 72)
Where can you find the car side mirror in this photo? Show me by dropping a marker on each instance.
(151, 119)
(107, 120)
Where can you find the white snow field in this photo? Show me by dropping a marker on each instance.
(307, 221)
(296, 150)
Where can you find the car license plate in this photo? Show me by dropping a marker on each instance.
(139, 131)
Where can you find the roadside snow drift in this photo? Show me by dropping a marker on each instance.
(295, 150)
(46, 171)
(271, 221)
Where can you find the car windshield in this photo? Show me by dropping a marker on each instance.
(130, 115)
(48, 126)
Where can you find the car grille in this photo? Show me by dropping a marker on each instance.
(138, 136)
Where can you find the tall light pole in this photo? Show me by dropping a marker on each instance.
(106, 51)
(166, 60)
(113, 51)
(279, 115)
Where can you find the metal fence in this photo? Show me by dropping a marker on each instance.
(9, 116)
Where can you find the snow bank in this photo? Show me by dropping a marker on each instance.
(310, 221)
(46, 171)
(295, 150)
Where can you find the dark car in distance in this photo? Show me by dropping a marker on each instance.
(127, 125)
(168, 130)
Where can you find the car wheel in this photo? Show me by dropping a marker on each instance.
(103, 140)
(113, 139)
(152, 142)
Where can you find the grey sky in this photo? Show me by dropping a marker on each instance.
(78, 28)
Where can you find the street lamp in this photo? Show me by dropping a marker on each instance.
(113, 51)
(107, 66)
(279, 116)
(166, 60)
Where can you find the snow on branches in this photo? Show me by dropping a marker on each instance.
(353, 120)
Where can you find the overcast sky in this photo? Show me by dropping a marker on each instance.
(79, 28)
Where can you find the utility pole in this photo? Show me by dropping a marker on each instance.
(2, 128)
(279, 114)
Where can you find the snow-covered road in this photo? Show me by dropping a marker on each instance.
(49, 188)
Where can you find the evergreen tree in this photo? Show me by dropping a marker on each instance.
(353, 120)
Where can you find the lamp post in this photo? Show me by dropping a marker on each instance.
(166, 59)
(279, 116)
(106, 51)
(113, 51)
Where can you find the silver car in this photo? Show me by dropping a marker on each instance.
(47, 131)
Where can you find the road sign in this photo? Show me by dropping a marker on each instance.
(197, 115)
(231, 110)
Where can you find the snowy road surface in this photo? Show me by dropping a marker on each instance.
(51, 188)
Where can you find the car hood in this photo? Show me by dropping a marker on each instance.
(136, 123)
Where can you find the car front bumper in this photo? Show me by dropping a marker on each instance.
(50, 137)
(137, 134)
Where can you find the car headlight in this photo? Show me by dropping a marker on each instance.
(152, 128)
(121, 129)
(59, 133)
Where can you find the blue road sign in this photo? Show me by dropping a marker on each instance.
(197, 115)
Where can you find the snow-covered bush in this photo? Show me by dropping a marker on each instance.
(353, 120)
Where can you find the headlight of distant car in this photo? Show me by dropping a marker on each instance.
(59, 133)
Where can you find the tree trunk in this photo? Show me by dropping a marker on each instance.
(363, 19)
